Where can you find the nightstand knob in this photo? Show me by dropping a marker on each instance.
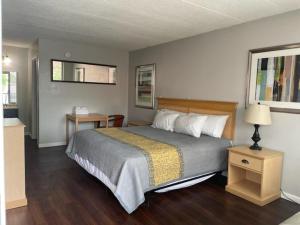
(245, 161)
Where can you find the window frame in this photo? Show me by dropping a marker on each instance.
(9, 87)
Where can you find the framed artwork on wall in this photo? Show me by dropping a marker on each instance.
(145, 86)
(274, 78)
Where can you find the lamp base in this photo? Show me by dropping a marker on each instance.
(256, 139)
(255, 146)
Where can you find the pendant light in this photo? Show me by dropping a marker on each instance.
(6, 60)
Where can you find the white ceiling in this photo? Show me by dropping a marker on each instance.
(129, 24)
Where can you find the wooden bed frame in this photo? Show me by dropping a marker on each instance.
(198, 106)
(204, 107)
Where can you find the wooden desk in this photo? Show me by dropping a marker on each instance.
(14, 161)
(91, 117)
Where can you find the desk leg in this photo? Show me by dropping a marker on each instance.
(67, 131)
(106, 123)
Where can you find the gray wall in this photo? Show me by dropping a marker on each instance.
(213, 66)
(20, 64)
(56, 98)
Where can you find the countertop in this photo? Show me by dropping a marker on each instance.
(12, 122)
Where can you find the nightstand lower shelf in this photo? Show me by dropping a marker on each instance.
(246, 187)
(250, 190)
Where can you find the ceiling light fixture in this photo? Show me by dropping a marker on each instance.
(6, 60)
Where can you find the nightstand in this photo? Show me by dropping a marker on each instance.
(254, 175)
(138, 123)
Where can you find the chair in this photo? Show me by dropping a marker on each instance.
(115, 121)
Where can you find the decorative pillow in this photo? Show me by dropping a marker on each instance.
(190, 124)
(165, 120)
(214, 125)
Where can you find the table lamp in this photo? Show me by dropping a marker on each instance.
(257, 114)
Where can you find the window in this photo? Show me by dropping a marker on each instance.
(9, 87)
(57, 70)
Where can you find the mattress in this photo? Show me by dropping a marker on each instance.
(124, 169)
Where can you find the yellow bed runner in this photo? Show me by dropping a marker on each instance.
(164, 160)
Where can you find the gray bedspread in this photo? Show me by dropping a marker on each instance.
(123, 168)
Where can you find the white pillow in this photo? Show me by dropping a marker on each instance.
(214, 125)
(165, 120)
(190, 124)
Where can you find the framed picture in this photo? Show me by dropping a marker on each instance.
(274, 78)
(145, 86)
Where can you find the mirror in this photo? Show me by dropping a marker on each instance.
(70, 71)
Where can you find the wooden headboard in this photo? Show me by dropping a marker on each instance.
(205, 107)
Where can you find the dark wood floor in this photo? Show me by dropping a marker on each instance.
(60, 192)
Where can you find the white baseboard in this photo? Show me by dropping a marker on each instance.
(52, 144)
(289, 197)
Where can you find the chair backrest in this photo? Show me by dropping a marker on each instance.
(117, 120)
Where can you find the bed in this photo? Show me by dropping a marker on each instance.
(130, 172)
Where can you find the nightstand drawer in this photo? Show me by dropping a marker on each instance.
(246, 161)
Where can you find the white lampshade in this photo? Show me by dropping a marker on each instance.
(258, 114)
